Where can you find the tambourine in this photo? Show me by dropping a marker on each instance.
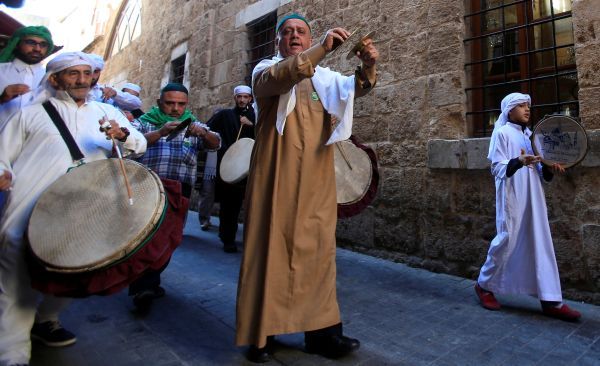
(560, 139)
(356, 176)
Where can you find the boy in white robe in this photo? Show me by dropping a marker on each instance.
(521, 257)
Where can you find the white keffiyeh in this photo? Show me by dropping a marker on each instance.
(61, 62)
(335, 91)
(508, 103)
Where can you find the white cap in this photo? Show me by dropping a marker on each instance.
(66, 60)
(132, 86)
(98, 61)
(242, 89)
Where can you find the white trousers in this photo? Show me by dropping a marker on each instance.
(18, 304)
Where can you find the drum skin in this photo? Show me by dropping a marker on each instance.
(352, 172)
(83, 221)
(235, 163)
(560, 139)
(153, 251)
(356, 179)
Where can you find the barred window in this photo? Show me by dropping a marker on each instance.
(129, 26)
(261, 34)
(177, 70)
(522, 46)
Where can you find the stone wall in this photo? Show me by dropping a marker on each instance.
(440, 217)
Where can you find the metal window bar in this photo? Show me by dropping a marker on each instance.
(177, 69)
(261, 36)
(527, 26)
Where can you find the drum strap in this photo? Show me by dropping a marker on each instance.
(76, 154)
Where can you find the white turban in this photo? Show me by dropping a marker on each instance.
(97, 61)
(508, 103)
(132, 86)
(242, 89)
(59, 63)
(66, 60)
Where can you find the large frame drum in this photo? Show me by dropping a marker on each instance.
(86, 239)
(235, 163)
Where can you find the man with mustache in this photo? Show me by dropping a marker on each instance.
(21, 69)
(32, 156)
(172, 159)
(288, 274)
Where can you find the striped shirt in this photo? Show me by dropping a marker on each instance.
(175, 159)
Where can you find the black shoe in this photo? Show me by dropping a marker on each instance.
(258, 355)
(230, 248)
(52, 334)
(143, 299)
(334, 346)
(261, 355)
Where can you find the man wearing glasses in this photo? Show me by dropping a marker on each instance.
(21, 69)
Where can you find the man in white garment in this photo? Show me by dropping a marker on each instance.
(21, 71)
(21, 68)
(106, 94)
(521, 257)
(134, 90)
(32, 157)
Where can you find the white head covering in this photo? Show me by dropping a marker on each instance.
(61, 62)
(242, 89)
(132, 86)
(508, 103)
(97, 61)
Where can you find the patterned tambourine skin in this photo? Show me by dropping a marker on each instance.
(560, 139)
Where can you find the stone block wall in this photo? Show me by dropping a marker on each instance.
(432, 210)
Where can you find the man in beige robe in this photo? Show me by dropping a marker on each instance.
(288, 275)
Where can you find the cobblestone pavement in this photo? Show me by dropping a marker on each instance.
(402, 316)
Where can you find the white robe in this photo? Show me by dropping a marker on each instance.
(18, 72)
(123, 100)
(32, 149)
(521, 257)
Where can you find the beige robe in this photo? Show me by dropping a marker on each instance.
(288, 273)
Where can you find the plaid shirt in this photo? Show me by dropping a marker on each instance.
(175, 159)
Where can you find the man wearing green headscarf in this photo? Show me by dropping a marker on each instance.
(20, 68)
(173, 156)
(287, 280)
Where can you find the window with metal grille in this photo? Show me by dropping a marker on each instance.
(177, 70)
(261, 34)
(522, 46)
(129, 26)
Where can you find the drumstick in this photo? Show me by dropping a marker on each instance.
(341, 149)
(122, 164)
(240, 131)
(106, 125)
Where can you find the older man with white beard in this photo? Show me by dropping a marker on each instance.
(32, 156)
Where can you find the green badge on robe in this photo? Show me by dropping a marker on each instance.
(314, 96)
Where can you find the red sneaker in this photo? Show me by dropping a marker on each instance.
(487, 298)
(562, 313)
